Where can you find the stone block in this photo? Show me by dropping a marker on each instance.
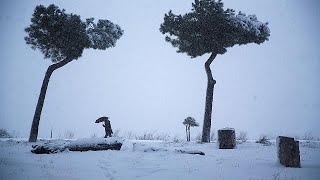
(227, 138)
(288, 151)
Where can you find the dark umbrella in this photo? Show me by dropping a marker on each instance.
(102, 119)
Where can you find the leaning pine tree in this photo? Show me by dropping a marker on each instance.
(62, 38)
(208, 28)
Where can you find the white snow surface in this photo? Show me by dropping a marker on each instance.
(250, 23)
(156, 160)
(227, 128)
(94, 141)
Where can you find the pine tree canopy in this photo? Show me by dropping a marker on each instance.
(209, 28)
(190, 121)
(104, 34)
(59, 35)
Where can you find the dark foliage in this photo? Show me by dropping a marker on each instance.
(190, 121)
(104, 34)
(59, 35)
(209, 28)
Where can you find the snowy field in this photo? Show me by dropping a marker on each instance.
(156, 160)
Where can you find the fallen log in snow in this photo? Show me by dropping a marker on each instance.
(44, 149)
(95, 147)
(50, 146)
(190, 152)
(90, 144)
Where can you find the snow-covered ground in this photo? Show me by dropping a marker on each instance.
(157, 160)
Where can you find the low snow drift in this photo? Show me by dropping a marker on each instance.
(143, 147)
(249, 161)
(93, 144)
(190, 152)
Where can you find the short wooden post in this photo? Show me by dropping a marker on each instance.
(227, 138)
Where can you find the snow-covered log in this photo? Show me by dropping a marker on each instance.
(90, 144)
(46, 149)
(190, 152)
(50, 146)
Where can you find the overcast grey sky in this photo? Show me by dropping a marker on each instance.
(144, 85)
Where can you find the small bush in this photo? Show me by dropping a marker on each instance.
(177, 139)
(116, 133)
(94, 135)
(5, 134)
(213, 136)
(68, 135)
(151, 135)
(264, 140)
(130, 135)
(198, 137)
(146, 136)
(308, 136)
(242, 136)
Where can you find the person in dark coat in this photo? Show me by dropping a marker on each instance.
(107, 126)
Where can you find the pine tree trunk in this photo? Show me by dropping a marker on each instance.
(209, 98)
(187, 132)
(36, 118)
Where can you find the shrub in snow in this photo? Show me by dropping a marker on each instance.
(5, 134)
(308, 136)
(311, 144)
(68, 135)
(94, 135)
(264, 140)
(177, 139)
(242, 137)
(164, 136)
(146, 136)
(198, 138)
(116, 133)
(161, 136)
(213, 136)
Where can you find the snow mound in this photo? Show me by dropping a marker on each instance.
(190, 152)
(142, 147)
(94, 141)
(146, 148)
(227, 128)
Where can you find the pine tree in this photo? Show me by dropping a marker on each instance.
(62, 37)
(189, 122)
(208, 28)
